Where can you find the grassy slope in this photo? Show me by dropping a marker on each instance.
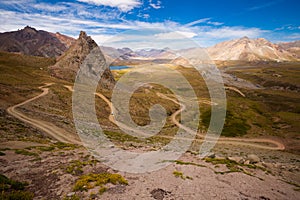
(275, 109)
(19, 78)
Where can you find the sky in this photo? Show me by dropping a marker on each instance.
(157, 23)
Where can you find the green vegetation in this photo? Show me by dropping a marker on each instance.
(65, 146)
(234, 124)
(294, 184)
(26, 153)
(179, 162)
(41, 148)
(86, 182)
(73, 197)
(76, 166)
(13, 190)
(4, 149)
(231, 165)
(234, 166)
(102, 190)
(180, 174)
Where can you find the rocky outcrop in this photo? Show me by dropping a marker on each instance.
(83, 50)
(32, 42)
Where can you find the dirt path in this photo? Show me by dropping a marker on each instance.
(227, 140)
(236, 90)
(221, 140)
(111, 117)
(47, 127)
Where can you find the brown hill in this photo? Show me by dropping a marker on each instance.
(69, 63)
(246, 49)
(30, 41)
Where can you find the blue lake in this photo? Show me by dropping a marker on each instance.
(118, 67)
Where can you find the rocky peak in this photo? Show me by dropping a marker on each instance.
(70, 62)
(28, 32)
(83, 34)
(29, 29)
(85, 41)
(245, 38)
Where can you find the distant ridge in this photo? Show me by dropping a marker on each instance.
(242, 49)
(292, 47)
(246, 49)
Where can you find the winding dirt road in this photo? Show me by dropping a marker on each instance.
(222, 140)
(47, 127)
(63, 136)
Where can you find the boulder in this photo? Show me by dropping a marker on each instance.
(253, 158)
(236, 159)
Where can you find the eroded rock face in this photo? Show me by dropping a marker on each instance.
(83, 51)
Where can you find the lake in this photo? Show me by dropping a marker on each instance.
(118, 67)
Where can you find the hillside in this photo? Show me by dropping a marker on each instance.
(34, 42)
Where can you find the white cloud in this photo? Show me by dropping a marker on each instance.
(199, 21)
(175, 35)
(261, 6)
(11, 20)
(233, 32)
(146, 34)
(50, 7)
(156, 5)
(294, 36)
(123, 5)
(104, 22)
(215, 23)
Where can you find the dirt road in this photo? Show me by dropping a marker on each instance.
(236, 90)
(47, 127)
(276, 145)
(222, 140)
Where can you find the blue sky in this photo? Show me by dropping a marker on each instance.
(172, 23)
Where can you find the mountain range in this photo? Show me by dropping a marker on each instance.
(242, 49)
(250, 50)
(41, 43)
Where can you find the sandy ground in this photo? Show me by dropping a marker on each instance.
(49, 180)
